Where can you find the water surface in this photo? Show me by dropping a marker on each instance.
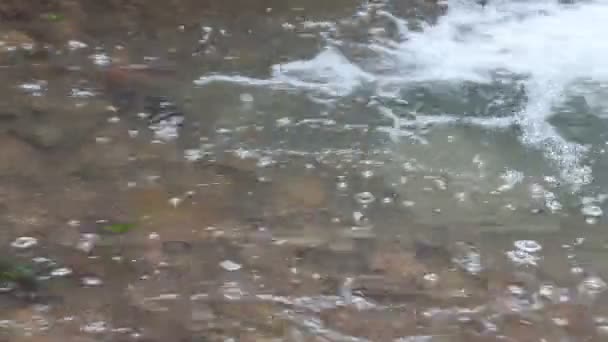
(304, 171)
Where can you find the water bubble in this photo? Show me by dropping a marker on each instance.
(35, 89)
(537, 191)
(408, 204)
(521, 257)
(87, 242)
(359, 219)
(431, 278)
(554, 205)
(246, 97)
(265, 161)
(468, 258)
(602, 330)
(288, 26)
(342, 186)
(365, 198)
(591, 220)
(546, 291)
(61, 272)
(102, 140)
(367, 174)
(7, 286)
(388, 200)
(230, 265)
(75, 45)
(592, 285)
(43, 260)
(101, 59)
(560, 321)
(577, 270)
(24, 242)
(529, 246)
(73, 223)
(282, 122)
(95, 327)
(175, 201)
(592, 211)
(193, 154)
(91, 281)
(232, 291)
(441, 184)
(516, 290)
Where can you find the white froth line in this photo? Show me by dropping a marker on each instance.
(423, 120)
(204, 80)
(281, 83)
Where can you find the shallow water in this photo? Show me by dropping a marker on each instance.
(305, 171)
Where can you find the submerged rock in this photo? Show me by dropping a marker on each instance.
(305, 191)
(398, 264)
(18, 158)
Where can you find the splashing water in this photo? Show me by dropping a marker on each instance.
(546, 50)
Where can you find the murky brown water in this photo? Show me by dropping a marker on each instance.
(133, 207)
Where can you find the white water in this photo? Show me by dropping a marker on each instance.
(550, 47)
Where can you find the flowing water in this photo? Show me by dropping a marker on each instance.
(305, 171)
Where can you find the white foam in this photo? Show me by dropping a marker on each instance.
(550, 48)
(551, 45)
(333, 75)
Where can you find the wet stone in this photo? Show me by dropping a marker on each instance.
(7, 286)
(574, 318)
(15, 40)
(42, 136)
(253, 313)
(397, 264)
(304, 191)
(19, 158)
(370, 324)
(176, 247)
(431, 244)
